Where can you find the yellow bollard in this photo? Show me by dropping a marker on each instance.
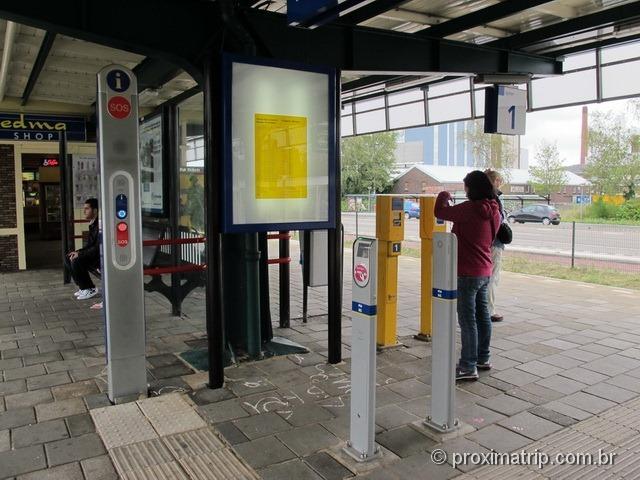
(428, 224)
(390, 233)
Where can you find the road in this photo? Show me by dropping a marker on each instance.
(614, 242)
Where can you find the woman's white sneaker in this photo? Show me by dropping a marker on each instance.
(88, 293)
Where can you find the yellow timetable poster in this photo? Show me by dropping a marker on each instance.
(280, 156)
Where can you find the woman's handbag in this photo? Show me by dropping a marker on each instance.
(505, 234)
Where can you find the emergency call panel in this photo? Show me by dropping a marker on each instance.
(364, 288)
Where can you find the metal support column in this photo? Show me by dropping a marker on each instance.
(285, 271)
(66, 196)
(170, 136)
(213, 115)
(335, 248)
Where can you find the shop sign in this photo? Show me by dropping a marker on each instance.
(27, 127)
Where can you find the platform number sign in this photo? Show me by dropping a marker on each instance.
(505, 110)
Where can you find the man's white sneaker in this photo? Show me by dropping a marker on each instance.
(77, 293)
(88, 293)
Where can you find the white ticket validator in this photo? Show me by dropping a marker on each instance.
(361, 445)
(443, 360)
(122, 275)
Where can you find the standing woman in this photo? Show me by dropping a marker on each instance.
(475, 224)
(497, 249)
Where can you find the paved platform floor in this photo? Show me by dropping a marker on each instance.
(566, 379)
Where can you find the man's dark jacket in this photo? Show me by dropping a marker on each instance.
(90, 253)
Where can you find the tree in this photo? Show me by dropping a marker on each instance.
(548, 175)
(494, 151)
(367, 162)
(614, 163)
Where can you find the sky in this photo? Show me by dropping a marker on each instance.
(563, 125)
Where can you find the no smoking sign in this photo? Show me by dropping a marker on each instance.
(119, 107)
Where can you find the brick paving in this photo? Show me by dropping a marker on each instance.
(567, 353)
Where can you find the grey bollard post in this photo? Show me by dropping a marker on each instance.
(443, 360)
(361, 445)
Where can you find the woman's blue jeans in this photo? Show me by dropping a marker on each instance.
(474, 320)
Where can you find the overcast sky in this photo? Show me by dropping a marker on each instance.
(563, 125)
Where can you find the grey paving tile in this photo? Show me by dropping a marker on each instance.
(23, 460)
(38, 433)
(75, 390)
(28, 399)
(327, 466)
(306, 440)
(404, 441)
(231, 433)
(17, 418)
(553, 416)
(99, 468)
(206, 395)
(583, 375)
(539, 369)
(223, 411)
(625, 381)
(505, 404)
(264, 451)
(13, 386)
(561, 344)
(292, 469)
(499, 439)
(611, 392)
(70, 471)
(478, 416)
(519, 355)
(305, 414)
(24, 372)
(561, 384)
(612, 365)
(80, 424)
(531, 426)
(588, 403)
(409, 389)
(561, 360)
(515, 377)
(393, 416)
(5, 440)
(63, 408)
(46, 381)
(567, 410)
(262, 425)
(456, 448)
(74, 449)
(420, 466)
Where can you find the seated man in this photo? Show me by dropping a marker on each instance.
(79, 262)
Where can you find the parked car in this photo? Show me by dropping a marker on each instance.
(411, 209)
(545, 214)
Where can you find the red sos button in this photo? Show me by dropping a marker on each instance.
(119, 107)
(122, 234)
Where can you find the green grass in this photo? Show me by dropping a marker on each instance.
(599, 221)
(600, 276)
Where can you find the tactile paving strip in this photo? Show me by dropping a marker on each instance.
(171, 414)
(140, 456)
(166, 471)
(120, 425)
(190, 444)
(219, 465)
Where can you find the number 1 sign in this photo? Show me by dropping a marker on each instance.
(505, 110)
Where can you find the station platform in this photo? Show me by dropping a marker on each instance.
(566, 380)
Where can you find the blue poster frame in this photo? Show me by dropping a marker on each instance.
(226, 190)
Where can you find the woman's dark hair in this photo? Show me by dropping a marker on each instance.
(479, 187)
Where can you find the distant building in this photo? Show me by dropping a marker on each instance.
(433, 179)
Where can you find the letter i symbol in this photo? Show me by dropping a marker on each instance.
(118, 81)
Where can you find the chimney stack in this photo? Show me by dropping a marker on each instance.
(584, 138)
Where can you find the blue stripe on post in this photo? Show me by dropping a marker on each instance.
(364, 309)
(445, 294)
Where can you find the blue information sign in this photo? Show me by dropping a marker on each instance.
(47, 128)
(118, 81)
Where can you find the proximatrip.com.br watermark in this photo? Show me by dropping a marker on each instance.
(534, 458)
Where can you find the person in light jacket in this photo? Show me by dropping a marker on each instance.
(497, 249)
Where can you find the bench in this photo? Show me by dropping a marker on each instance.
(184, 276)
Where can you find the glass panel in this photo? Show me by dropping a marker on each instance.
(620, 80)
(405, 97)
(581, 60)
(444, 88)
(347, 108)
(408, 115)
(479, 100)
(346, 126)
(191, 147)
(370, 122)
(620, 52)
(566, 89)
(446, 109)
(370, 104)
